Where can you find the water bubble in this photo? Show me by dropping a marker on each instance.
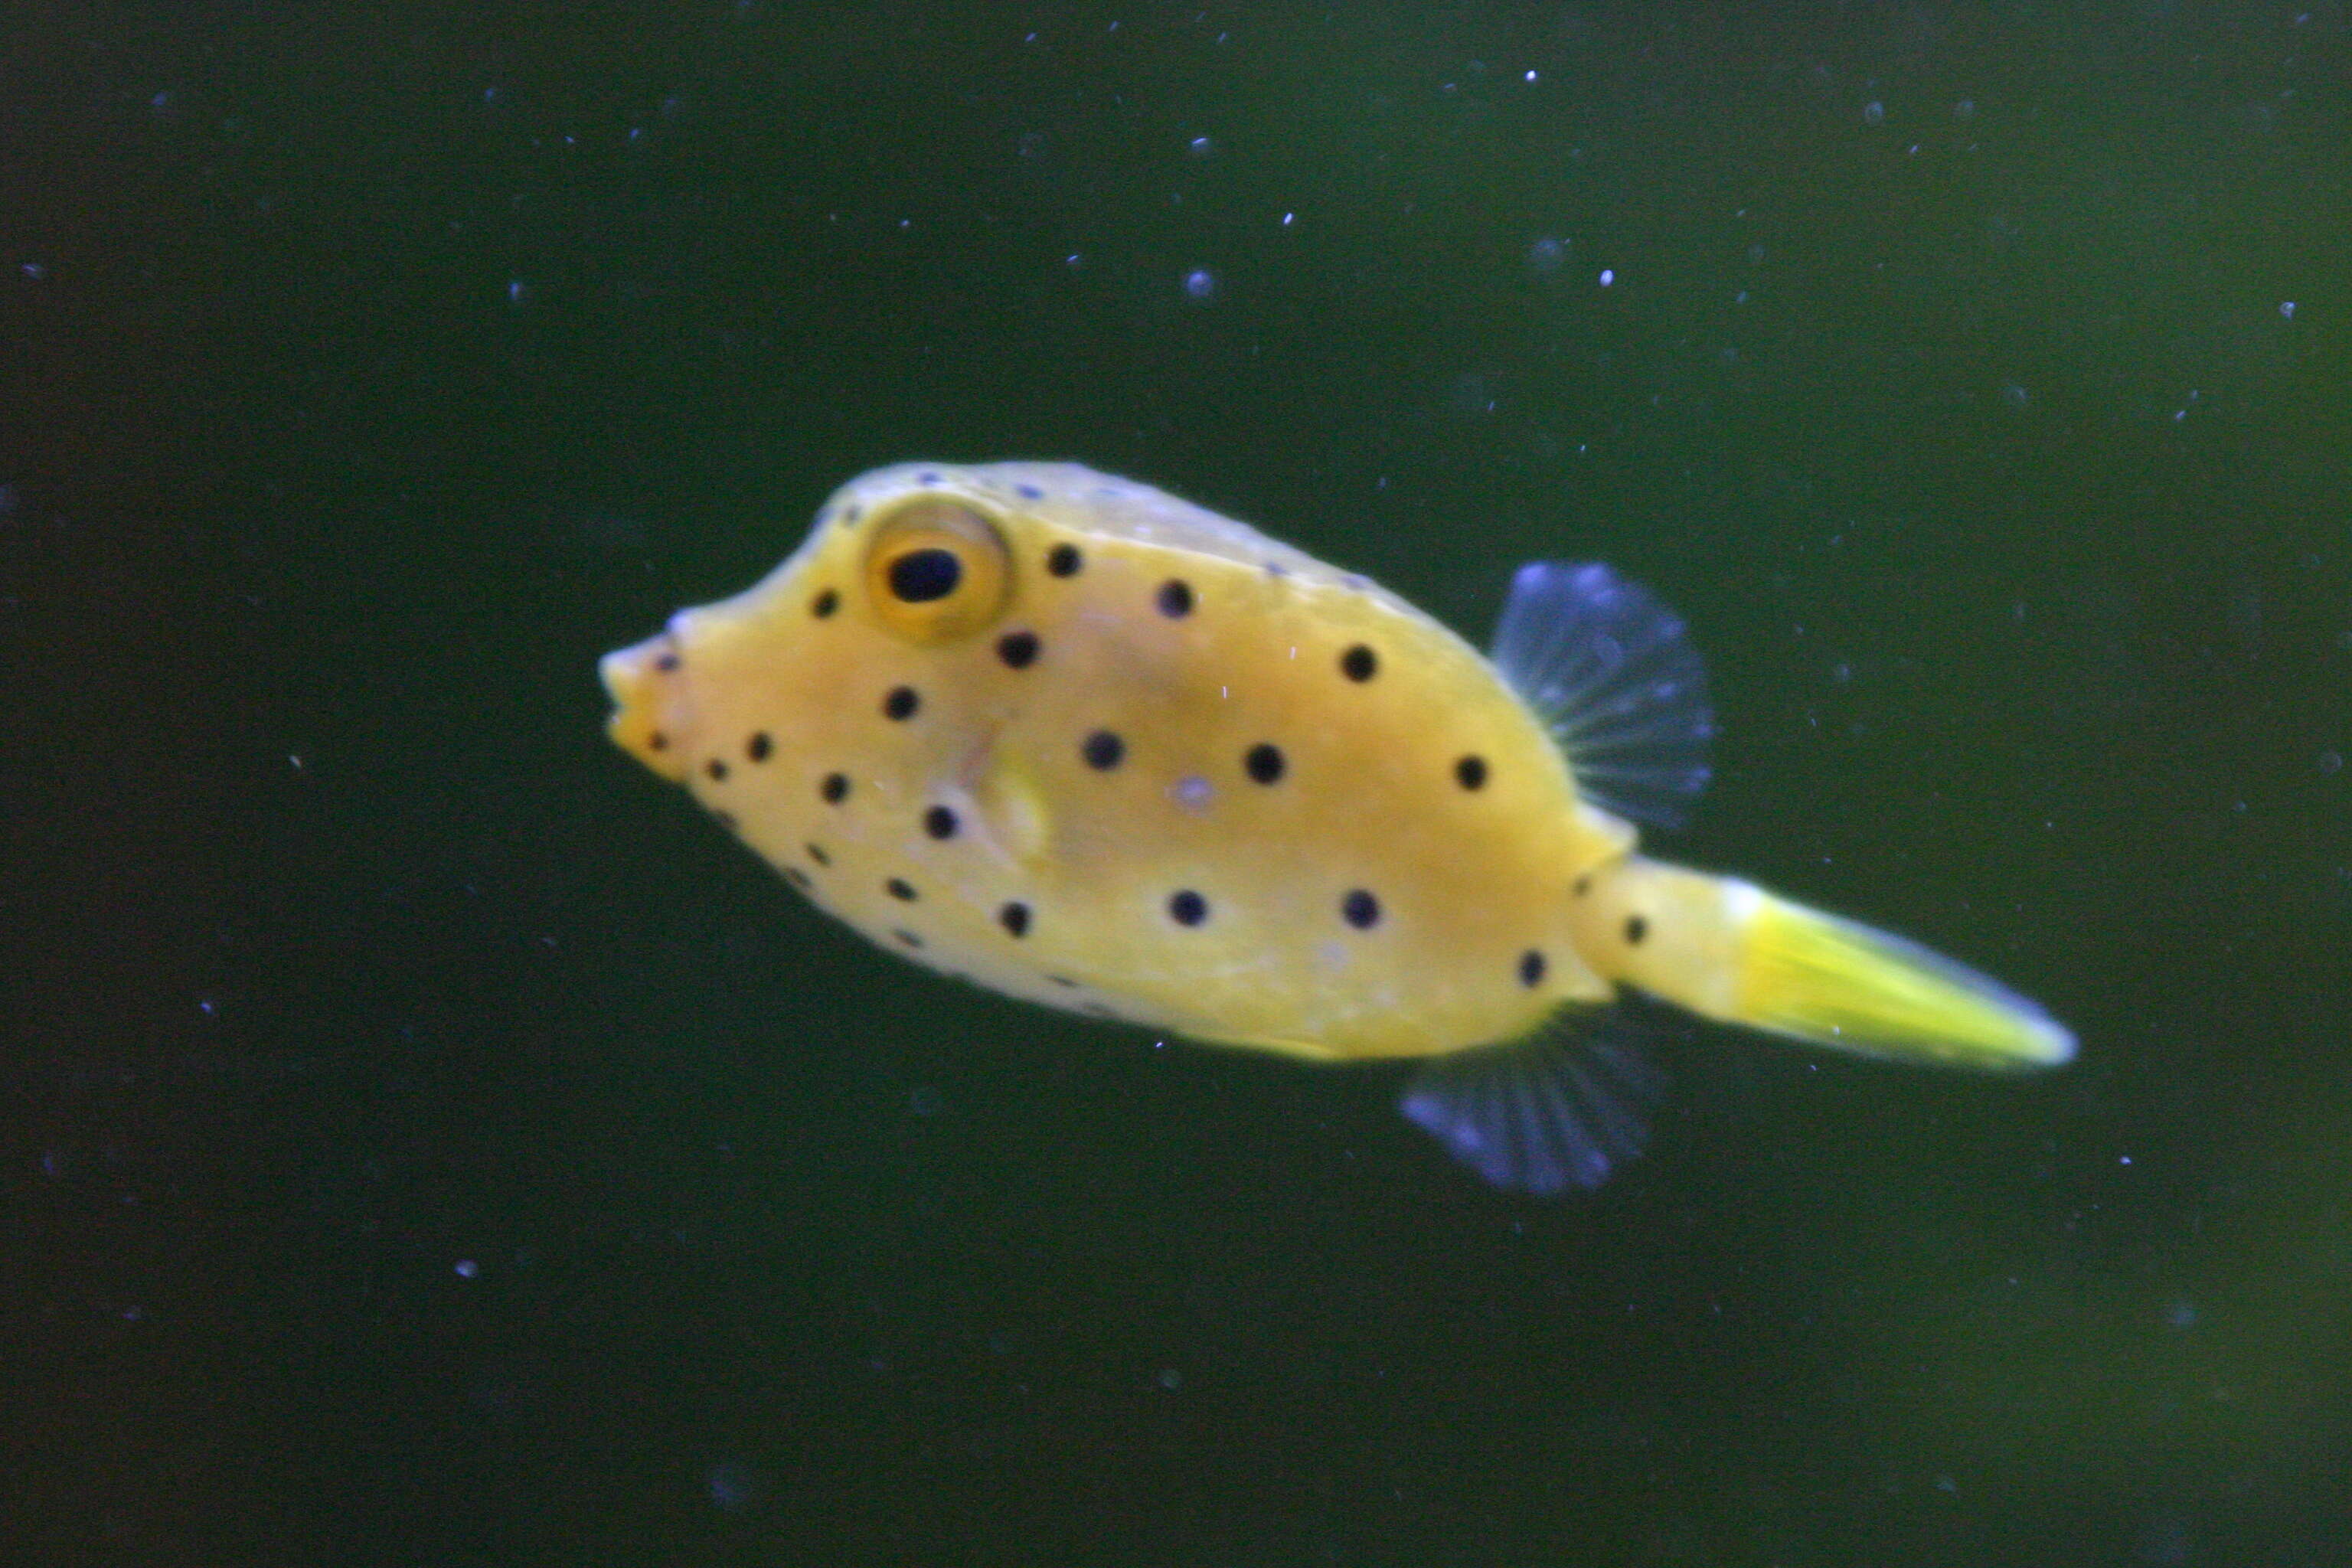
(1546, 255)
(2331, 762)
(1171, 1379)
(1874, 113)
(1200, 147)
(517, 293)
(733, 1486)
(1200, 284)
(2286, 308)
(467, 1268)
(1965, 109)
(1608, 275)
(2016, 396)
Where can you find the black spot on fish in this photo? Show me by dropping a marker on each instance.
(1636, 928)
(1188, 908)
(798, 877)
(1063, 561)
(1103, 749)
(1361, 910)
(939, 821)
(901, 703)
(1175, 599)
(1582, 886)
(899, 888)
(909, 938)
(849, 514)
(1531, 968)
(1263, 763)
(1470, 773)
(758, 747)
(1014, 917)
(725, 819)
(1030, 492)
(657, 740)
(716, 769)
(835, 789)
(1018, 649)
(816, 853)
(824, 603)
(1062, 980)
(667, 663)
(1359, 663)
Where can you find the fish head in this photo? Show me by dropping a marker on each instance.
(898, 601)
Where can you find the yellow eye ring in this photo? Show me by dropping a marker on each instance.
(936, 571)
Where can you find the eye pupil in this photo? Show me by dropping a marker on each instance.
(920, 576)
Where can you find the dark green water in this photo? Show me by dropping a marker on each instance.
(428, 1142)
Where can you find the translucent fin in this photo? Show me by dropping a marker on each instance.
(1608, 669)
(1539, 1116)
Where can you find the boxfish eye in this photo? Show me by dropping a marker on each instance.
(935, 569)
(921, 575)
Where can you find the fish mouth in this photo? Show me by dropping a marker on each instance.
(644, 682)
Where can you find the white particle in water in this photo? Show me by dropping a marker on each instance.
(1201, 283)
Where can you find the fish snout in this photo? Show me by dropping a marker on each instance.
(644, 681)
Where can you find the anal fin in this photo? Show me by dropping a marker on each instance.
(1544, 1115)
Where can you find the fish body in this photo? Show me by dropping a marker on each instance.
(1086, 743)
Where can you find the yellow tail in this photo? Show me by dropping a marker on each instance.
(1727, 948)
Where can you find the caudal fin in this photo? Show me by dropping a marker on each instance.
(1728, 950)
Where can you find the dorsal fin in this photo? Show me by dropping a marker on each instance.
(1612, 675)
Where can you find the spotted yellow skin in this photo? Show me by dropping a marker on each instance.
(755, 702)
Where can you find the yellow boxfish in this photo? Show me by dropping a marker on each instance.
(1073, 739)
